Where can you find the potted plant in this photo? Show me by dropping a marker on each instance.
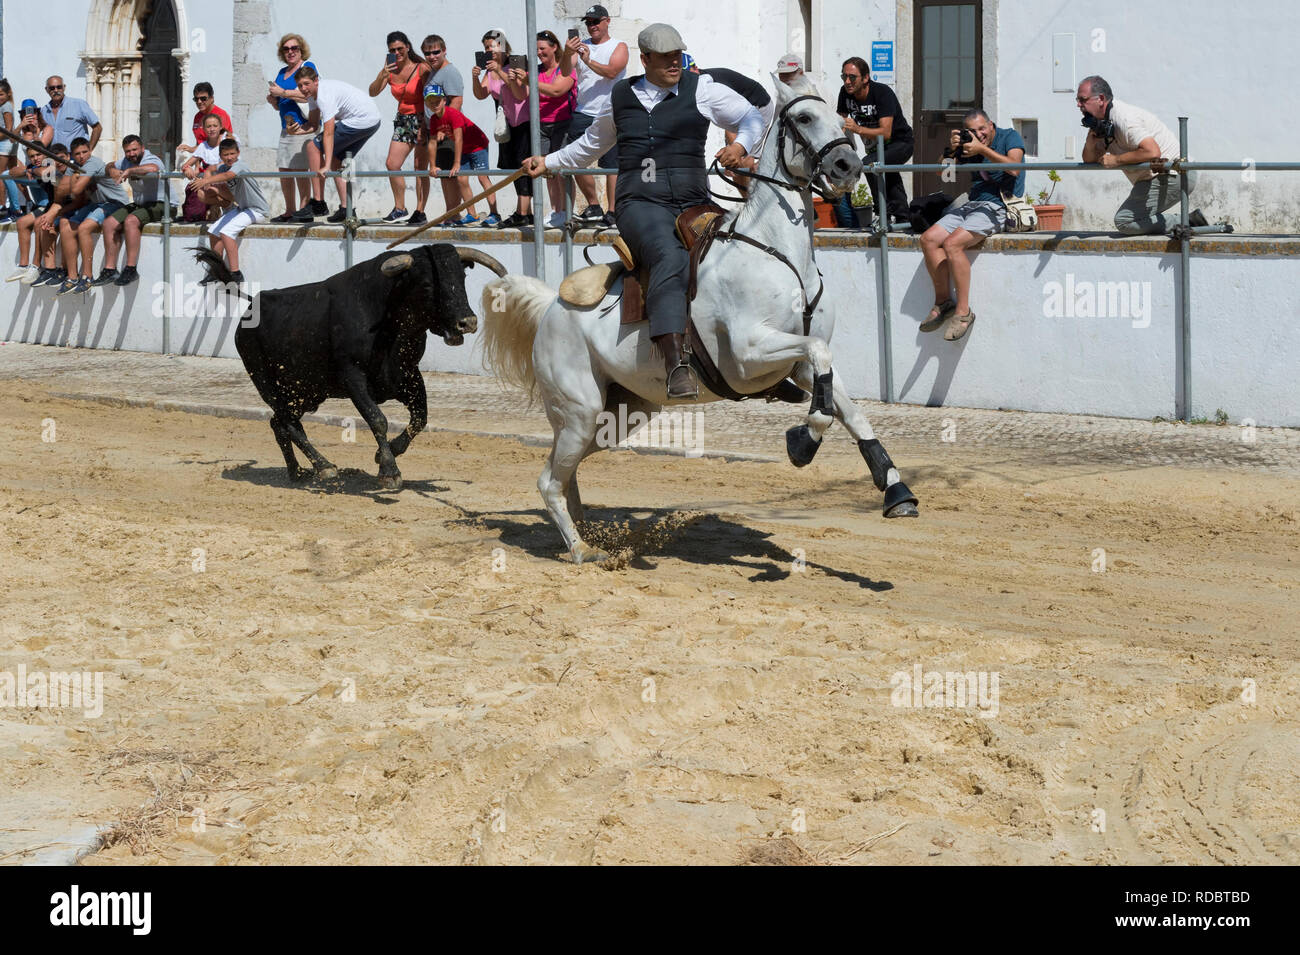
(861, 202)
(1049, 216)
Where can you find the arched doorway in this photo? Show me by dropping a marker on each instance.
(161, 94)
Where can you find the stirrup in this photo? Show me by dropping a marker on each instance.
(693, 394)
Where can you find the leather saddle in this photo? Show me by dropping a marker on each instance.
(696, 227)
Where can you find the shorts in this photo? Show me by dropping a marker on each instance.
(475, 160)
(97, 212)
(579, 124)
(235, 221)
(153, 212)
(553, 135)
(292, 151)
(346, 139)
(406, 128)
(981, 217)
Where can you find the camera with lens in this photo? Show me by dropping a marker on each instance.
(1103, 127)
(955, 152)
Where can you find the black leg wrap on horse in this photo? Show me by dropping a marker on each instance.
(878, 460)
(900, 501)
(821, 398)
(799, 444)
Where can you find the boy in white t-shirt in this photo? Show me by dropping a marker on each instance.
(345, 118)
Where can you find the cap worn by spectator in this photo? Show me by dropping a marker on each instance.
(659, 38)
(595, 12)
(790, 63)
(433, 89)
(688, 61)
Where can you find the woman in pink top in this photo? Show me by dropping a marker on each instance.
(555, 99)
(510, 89)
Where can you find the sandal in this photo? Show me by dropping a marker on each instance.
(958, 326)
(938, 315)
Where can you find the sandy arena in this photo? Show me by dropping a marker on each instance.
(342, 675)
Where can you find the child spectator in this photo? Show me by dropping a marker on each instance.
(77, 232)
(233, 181)
(207, 155)
(469, 150)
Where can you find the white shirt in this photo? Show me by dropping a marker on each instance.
(720, 105)
(594, 89)
(345, 104)
(1134, 124)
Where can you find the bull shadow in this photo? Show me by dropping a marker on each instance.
(710, 541)
(351, 481)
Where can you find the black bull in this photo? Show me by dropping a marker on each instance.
(359, 334)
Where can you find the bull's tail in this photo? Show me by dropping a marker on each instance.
(213, 263)
(512, 311)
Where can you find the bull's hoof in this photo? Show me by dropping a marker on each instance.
(585, 554)
(900, 502)
(327, 474)
(390, 482)
(299, 475)
(801, 447)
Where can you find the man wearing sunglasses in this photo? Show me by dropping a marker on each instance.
(870, 110)
(205, 103)
(66, 117)
(600, 61)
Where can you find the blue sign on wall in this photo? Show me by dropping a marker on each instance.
(882, 56)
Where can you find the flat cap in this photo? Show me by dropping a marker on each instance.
(659, 38)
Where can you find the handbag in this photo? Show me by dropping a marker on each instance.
(501, 131)
(926, 210)
(1021, 216)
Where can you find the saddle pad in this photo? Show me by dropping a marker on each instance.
(588, 286)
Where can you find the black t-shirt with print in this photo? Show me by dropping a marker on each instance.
(880, 102)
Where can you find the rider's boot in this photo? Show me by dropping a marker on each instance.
(681, 380)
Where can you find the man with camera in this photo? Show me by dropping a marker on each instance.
(1122, 135)
(944, 244)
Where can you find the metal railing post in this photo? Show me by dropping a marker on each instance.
(535, 130)
(1183, 395)
(886, 336)
(167, 256)
(569, 185)
(349, 224)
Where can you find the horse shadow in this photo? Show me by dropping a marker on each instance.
(708, 540)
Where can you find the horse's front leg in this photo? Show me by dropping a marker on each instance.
(814, 357)
(899, 500)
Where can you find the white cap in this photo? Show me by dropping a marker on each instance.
(789, 63)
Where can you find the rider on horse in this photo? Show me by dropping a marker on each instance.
(660, 121)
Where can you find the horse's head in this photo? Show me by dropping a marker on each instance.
(811, 138)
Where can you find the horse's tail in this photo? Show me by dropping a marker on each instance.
(512, 311)
(213, 263)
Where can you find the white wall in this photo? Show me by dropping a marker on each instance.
(1016, 356)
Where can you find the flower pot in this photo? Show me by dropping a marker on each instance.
(825, 214)
(1049, 218)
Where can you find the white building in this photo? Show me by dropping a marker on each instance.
(136, 60)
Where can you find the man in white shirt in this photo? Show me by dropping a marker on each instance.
(601, 62)
(1121, 134)
(660, 122)
(346, 118)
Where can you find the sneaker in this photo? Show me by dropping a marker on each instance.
(80, 285)
(516, 221)
(593, 214)
(392, 216)
(129, 275)
(27, 274)
(556, 220)
(341, 213)
(607, 220)
(417, 218)
(237, 277)
(105, 276)
(468, 220)
(492, 221)
(283, 217)
(56, 278)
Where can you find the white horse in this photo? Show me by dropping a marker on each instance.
(749, 310)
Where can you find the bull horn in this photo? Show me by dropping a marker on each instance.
(396, 264)
(482, 258)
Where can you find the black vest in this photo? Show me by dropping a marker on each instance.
(672, 136)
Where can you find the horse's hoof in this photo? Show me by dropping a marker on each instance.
(900, 502)
(584, 554)
(327, 474)
(801, 447)
(390, 482)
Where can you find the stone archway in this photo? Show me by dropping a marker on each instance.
(114, 63)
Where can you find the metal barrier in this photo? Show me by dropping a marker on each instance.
(878, 169)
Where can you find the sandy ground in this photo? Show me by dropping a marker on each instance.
(364, 677)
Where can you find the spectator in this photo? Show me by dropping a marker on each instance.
(206, 155)
(601, 61)
(283, 94)
(205, 101)
(245, 194)
(555, 97)
(148, 200)
(1120, 134)
(510, 89)
(9, 154)
(77, 231)
(468, 148)
(870, 110)
(983, 213)
(65, 118)
(789, 68)
(758, 98)
(344, 119)
(494, 42)
(37, 195)
(57, 174)
(441, 72)
(405, 74)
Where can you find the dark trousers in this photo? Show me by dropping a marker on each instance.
(512, 153)
(896, 195)
(648, 228)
